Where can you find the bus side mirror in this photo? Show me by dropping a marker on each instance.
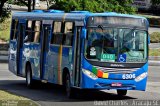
(84, 32)
(148, 39)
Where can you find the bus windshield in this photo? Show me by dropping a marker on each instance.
(116, 45)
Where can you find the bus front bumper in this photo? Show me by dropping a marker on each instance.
(100, 83)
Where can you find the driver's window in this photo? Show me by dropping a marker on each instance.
(110, 37)
(128, 36)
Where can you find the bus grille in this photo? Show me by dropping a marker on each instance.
(117, 70)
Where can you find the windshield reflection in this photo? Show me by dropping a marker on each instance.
(116, 45)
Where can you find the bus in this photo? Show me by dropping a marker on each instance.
(80, 49)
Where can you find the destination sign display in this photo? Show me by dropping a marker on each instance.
(116, 20)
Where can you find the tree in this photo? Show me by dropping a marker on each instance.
(1, 6)
(155, 2)
(122, 6)
(155, 7)
(28, 4)
(49, 3)
(4, 11)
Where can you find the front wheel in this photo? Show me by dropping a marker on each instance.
(121, 92)
(69, 90)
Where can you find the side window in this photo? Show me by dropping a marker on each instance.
(30, 31)
(37, 30)
(68, 33)
(14, 29)
(57, 27)
(57, 36)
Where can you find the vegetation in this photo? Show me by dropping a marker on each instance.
(4, 11)
(155, 2)
(8, 99)
(19, 2)
(5, 30)
(8, 96)
(155, 37)
(121, 6)
(155, 8)
(154, 52)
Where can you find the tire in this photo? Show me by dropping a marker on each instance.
(70, 92)
(122, 92)
(29, 80)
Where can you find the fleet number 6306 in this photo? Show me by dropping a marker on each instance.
(128, 76)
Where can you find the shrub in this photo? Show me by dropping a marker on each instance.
(155, 37)
(154, 52)
(5, 29)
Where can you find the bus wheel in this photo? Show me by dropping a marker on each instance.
(29, 80)
(69, 89)
(121, 92)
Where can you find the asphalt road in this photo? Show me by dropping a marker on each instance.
(52, 95)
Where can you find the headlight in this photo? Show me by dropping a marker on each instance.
(89, 74)
(140, 77)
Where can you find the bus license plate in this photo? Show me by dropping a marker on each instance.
(116, 84)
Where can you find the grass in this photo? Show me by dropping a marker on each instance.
(154, 52)
(5, 29)
(155, 37)
(9, 99)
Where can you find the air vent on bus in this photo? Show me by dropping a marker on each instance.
(79, 12)
(38, 11)
(55, 11)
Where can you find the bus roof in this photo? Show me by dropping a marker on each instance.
(47, 16)
(117, 15)
(73, 15)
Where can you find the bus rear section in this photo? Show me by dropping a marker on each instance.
(115, 53)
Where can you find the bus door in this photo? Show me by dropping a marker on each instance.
(77, 55)
(20, 37)
(13, 46)
(47, 24)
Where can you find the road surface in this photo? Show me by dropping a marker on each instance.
(52, 95)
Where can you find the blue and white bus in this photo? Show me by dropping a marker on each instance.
(80, 50)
